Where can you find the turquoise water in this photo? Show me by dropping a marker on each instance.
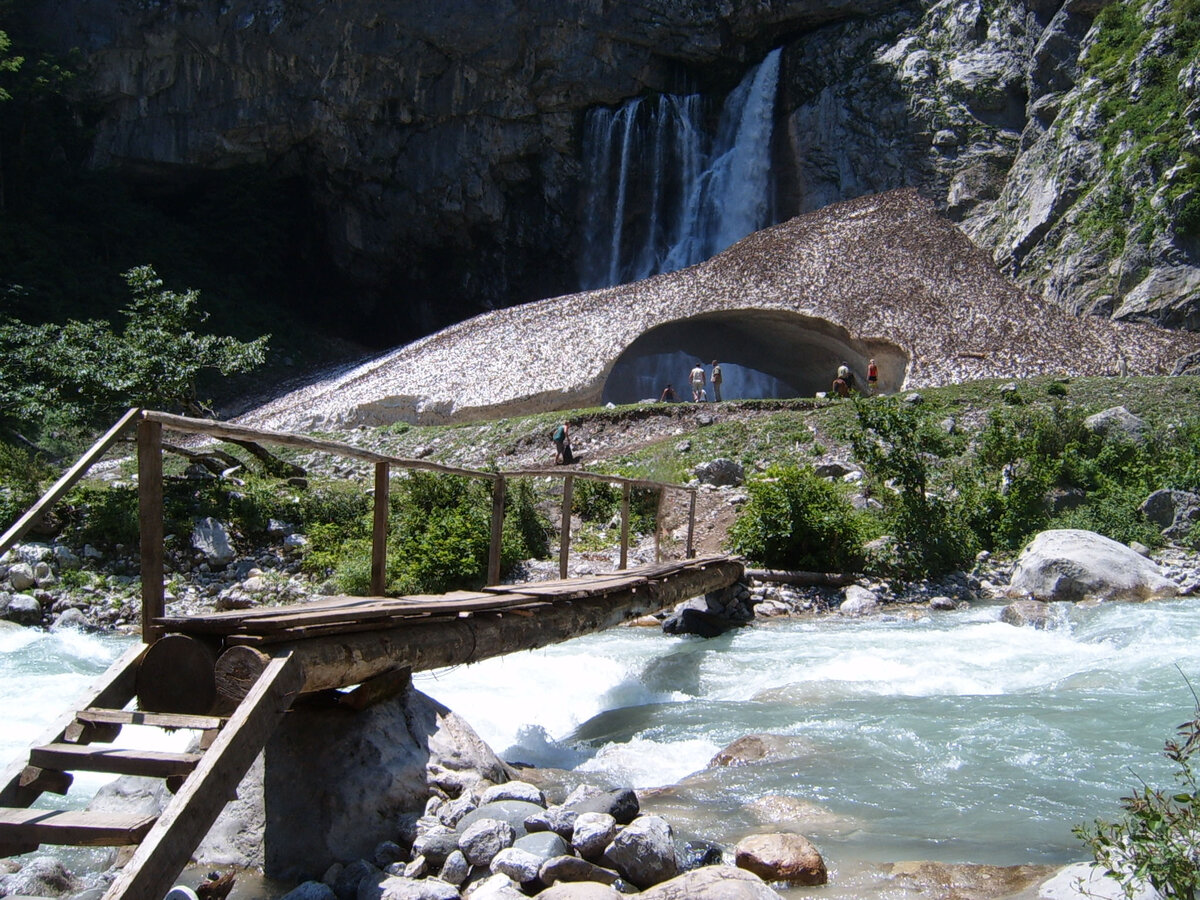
(950, 737)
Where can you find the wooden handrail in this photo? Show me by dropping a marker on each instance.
(66, 482)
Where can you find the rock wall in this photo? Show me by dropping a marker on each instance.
(442, 141)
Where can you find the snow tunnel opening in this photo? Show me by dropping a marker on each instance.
(764, 354)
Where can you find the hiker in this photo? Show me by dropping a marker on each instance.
(716, 381)
(562, 443)
(872, 377)
(841, 387)
(698, 380)
(668, 395)
(846, 375)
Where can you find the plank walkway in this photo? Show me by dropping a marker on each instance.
(204, 780)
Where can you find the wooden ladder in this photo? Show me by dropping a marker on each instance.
(202, 782)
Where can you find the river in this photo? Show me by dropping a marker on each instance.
(904, 736)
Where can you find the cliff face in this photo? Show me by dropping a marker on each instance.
(442, 140)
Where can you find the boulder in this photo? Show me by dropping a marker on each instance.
(1073, 565)
(712, 883)
(519, 865)
(753, 748)
(1174, 512)
(572, 868)
(514, 790)
(721, 472)
(859, 601)
(781, 857)
(24, 610)
(483, 839)
(1085, 881)
(21, 577)
(1025, 613)
(621, 804)
(544, 845)
(514, 812)
(1116, 422)
(579, 890)
(690, 618)
(456, 869)
(211, 539)
(41, 876)
(644, 852)
(311, 890)
(498, 887)
(339, 782)
(436, 843)
(980, 882)
(593, 832)
(397, 887)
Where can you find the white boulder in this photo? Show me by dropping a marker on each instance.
(1072, 565)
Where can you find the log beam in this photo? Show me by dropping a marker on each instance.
(342, 660)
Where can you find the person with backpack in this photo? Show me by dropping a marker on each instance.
(716, 381)
(698, 379)
(561, 435)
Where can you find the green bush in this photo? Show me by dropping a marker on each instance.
(1156, 841)
(797, 520)
(594, 501)
(21, 477)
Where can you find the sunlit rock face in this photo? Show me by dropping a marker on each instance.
(883, 276)
(441, 142)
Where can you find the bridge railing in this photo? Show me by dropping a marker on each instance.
(151, 424)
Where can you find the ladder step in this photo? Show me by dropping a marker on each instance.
(98, 716)
(92, 758)
(76, 827)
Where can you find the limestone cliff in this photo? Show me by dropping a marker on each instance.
(441, 140)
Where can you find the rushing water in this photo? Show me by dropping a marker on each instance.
(949, 737)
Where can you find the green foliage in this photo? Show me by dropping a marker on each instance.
(594, 501)
(797, 520)
(93, 373)
(899, 447)
(1157, 841)
(21, 477)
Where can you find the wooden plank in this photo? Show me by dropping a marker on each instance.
(118, 761)
(77, 828)
(496, 540)
(337, 448)
(169, 721)
(379, 530)
(66, 482)
(165, 850)
(114, 688)
(625, 492)
(150, 526)
(564, 535)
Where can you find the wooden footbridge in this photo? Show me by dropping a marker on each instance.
(232, 676)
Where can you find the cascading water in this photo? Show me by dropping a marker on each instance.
(665, 194)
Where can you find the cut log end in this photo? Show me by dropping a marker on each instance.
(177, 675)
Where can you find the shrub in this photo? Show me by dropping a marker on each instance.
(1157, 841)
(797, 520)
(594, 501)
(21, 477)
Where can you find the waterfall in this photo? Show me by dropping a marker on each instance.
(663, 193)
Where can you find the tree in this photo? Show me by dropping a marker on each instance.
(84, 372)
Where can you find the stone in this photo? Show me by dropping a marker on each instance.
(484, 838)
(1025, 613)
(860, 601)
(436, 844)
(386, 853)
(943, 603)
(714, 883)
(580, 890)
(721, 472)
(593, 832)
(1073, 565)
(498, 887)
(644, 852)
(1085, 881)
(689, 619)
(983, 882)
(557, 819)
(24, 610)
(514, 790)
(544, 844)
(781, 857)
(21, 577)
(572, 868)
(397, 887)
(1116, 422)
(351, 876)
(211, 539)
(310, 890)
(1174, 512)
(755, 748)
(41, 876)
(341, 784)
(456, 868)
(519, 865)
(71, 619)
(622, 804)
(514, 812)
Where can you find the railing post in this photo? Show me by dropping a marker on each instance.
(493, 571)
(150, 526)
(691, 549)
(625, 489)
(379, 532)
(658, 523)
(564, 543)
